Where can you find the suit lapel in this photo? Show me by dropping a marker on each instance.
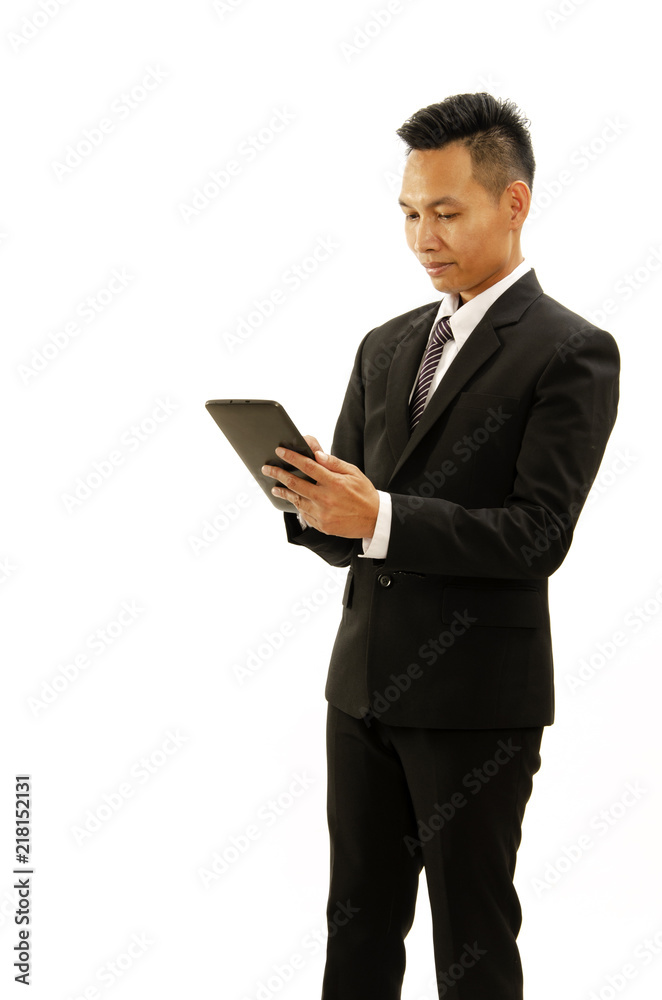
(484, 342)
(481, 344)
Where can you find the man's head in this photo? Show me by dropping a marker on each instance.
(466, 189)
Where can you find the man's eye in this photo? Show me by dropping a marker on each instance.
(439, 216)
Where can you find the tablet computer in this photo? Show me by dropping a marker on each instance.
(255, 428)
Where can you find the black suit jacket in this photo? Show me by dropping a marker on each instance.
(452, 628)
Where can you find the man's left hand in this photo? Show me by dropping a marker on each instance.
(341, 501)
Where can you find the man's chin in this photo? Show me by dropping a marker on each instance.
(446, 283)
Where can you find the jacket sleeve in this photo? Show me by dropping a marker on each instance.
(347, 444)
(571, 416)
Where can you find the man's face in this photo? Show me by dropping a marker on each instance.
(453, 222)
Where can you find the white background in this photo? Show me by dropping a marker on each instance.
(72, 388)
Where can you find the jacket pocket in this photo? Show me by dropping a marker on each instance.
(494, 608)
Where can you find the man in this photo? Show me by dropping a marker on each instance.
(469, 437)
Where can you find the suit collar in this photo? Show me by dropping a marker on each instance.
(467, 315)
(482, 343)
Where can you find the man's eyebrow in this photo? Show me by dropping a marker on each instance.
(447, 199)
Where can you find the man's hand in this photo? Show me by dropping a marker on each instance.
(341, 501)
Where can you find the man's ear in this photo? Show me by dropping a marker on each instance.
(520, 203)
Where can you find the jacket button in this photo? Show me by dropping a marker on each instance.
(385, 580)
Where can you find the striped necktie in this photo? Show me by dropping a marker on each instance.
(441, 335)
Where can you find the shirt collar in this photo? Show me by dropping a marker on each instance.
(465, 318)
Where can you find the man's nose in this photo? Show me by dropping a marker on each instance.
(426, 238)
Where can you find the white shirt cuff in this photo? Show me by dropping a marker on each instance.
(377, 546)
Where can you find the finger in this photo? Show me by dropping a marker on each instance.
(333, 464)
(303, 463)
(295, 499)
(312, 443)
(285, 494)
(299, 486)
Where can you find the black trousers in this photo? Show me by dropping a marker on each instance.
(452, 801)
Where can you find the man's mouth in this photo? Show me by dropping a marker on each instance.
(436, 267)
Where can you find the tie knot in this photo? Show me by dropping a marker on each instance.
(442, 331)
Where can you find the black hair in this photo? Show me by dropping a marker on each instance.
(493, 129)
